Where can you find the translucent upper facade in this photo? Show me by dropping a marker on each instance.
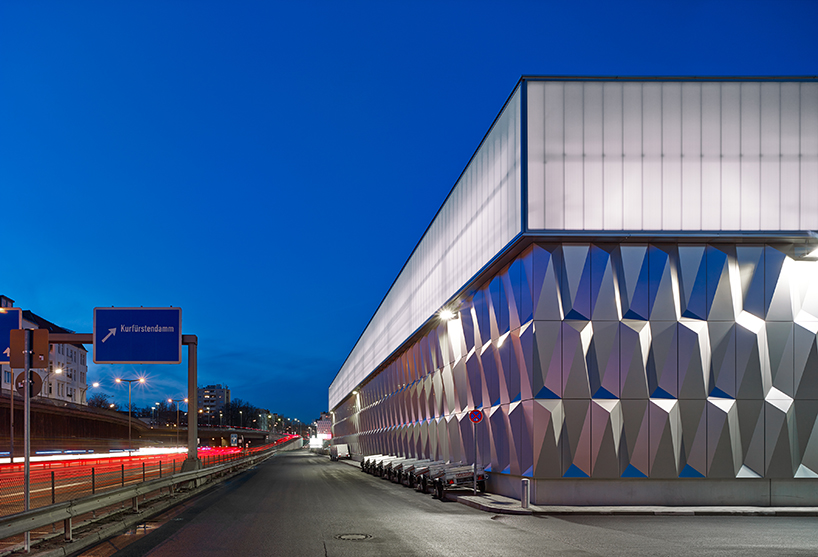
(672, 156)
(606, 156)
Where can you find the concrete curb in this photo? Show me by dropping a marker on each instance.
(499, 504)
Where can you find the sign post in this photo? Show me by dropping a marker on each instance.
(26, 351)
(476, 416)
(10, 319)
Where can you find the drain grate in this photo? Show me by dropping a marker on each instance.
(353, 537)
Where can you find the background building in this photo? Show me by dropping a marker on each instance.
(630, 278)
(323, 426)
(212, 400)
(66, 376)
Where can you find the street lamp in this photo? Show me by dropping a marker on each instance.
(82, 391)
(177, 401)
(241, 419)
(129, 381)
(153, 410)
(57, 371)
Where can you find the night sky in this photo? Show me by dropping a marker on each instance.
(269, 166)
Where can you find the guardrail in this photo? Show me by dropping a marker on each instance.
(65, 512)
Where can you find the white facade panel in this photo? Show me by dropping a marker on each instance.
(711, 156)
(612, 153)
(536, 145)
(554, 159)
(790, 151)
(695, 156)
(671, 155)
(809, 157)
(691, 156)
(750, 156)
(770, 168)
(573, 190)
(481, 216)
(652, 156)
(730, 155)
(593, 188)
(632, 159)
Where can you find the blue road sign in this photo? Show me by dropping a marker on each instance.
(10, 318)
(137, 335)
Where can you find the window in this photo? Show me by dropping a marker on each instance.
(7, 376)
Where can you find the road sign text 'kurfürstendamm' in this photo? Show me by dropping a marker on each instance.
(137, 335)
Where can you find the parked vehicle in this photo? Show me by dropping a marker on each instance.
(374, 464)
(407, 475)
(339, 451)
(424, 477)
(368, 461)
(391, 468)
(398, 469)
(380, 466)
(453, 477)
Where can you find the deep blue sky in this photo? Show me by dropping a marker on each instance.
(269, 166)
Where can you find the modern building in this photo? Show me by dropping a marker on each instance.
(66, 376)
(211, 402)
(624, 280)
(323, 426)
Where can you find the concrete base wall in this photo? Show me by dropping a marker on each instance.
(802, 492)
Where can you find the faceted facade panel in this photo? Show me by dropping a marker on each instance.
(577, 379)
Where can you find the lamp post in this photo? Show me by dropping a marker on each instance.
(129, 382)
(154, 410)
(177, 401)
(241, 419)
(82, 391)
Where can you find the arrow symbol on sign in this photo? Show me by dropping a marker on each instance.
(7, 352)
(110, 332)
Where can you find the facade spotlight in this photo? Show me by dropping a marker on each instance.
(447, 314)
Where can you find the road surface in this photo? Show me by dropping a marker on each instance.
(298, 504)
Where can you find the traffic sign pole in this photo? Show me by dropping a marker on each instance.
(476, 416)
(474, 433)
(27, 432)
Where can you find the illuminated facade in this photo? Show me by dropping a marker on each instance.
(631, 264)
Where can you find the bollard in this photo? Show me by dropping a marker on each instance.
(93, 481)
(53, 491)
(525, 498)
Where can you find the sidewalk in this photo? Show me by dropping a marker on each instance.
(499, 504)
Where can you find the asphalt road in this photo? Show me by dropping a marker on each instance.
(299, 504)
